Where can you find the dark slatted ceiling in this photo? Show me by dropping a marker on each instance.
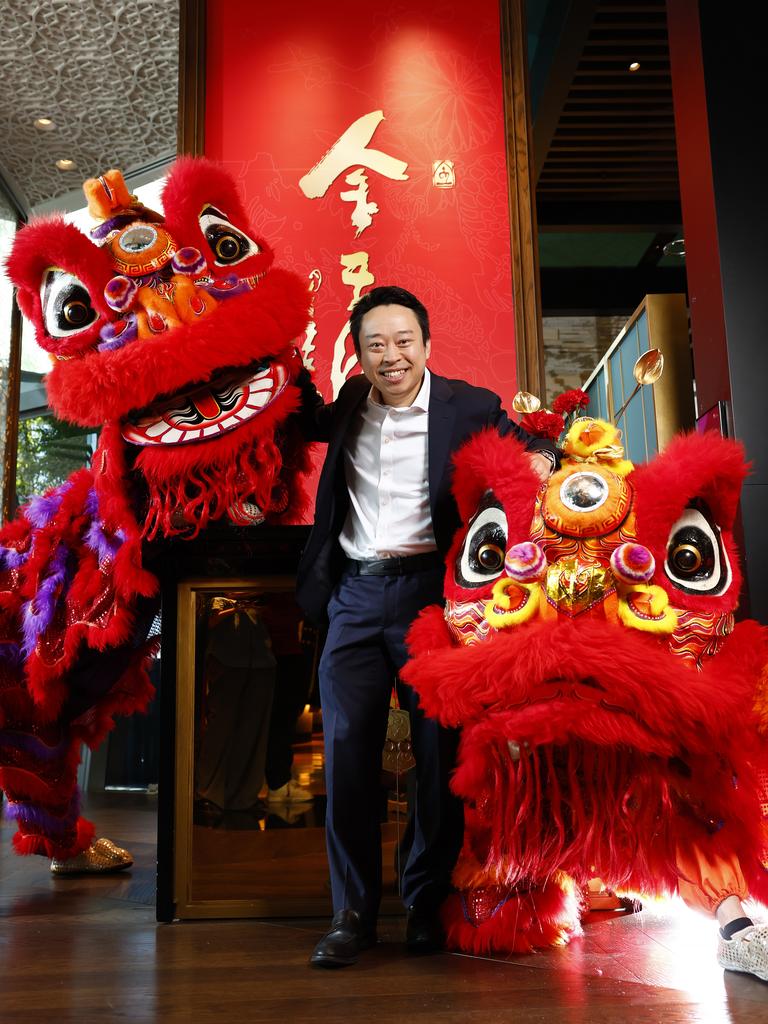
(614, 140)
(606, 159)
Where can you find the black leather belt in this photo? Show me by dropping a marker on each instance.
(394, 566)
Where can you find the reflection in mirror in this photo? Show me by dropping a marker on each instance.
(255, 832)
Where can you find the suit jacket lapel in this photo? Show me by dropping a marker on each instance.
(442, 414)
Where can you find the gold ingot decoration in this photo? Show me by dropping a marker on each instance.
(524, 402)
(648, 367)
(574, 587)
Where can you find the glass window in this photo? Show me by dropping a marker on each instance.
(7, 232)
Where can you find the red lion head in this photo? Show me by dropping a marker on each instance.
(175, 335)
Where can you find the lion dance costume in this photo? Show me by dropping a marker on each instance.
(611, 711)
(175, 336)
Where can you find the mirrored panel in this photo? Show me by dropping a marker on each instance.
(250, 789)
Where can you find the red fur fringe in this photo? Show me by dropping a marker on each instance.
(633, 773)
(527, 921)
(201, 485)
(26, 843)
(112, 486)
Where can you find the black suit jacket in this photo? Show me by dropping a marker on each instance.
(457, 410)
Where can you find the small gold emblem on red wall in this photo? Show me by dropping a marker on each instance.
(443, 174)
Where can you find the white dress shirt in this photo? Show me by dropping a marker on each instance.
(386, 468)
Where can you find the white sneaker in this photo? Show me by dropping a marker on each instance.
(290, 793)
(747, 953)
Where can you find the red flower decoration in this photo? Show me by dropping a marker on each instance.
(543, 424)
(570, 401)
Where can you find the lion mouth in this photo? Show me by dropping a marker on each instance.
(205, 411)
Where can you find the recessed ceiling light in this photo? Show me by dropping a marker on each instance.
(634, 66)
(65, 165)
(44, 124)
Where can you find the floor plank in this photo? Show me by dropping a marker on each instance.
(89, 949)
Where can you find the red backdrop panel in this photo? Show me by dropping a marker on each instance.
(404, 88)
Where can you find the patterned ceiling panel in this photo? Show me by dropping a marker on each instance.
(105, 73)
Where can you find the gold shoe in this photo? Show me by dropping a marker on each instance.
(101, 857)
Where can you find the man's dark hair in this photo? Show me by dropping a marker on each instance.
(387, 295)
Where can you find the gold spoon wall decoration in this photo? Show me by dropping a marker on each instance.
(647, 370)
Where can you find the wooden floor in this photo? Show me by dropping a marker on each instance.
(89, 950)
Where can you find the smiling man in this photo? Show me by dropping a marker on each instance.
(384, 519)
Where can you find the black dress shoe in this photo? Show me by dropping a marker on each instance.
(343, 942)
(423, 932)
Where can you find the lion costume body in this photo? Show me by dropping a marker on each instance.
(610, 708)
(175, 336)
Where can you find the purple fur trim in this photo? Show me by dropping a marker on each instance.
(10, 558)
(32, 745)
(97, 540)
(48, 823)
(113, 224)
(103, 545)
(38, 613)
(18, 558)
(40, 511)
(119, 333)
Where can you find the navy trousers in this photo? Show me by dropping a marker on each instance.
(364, 650)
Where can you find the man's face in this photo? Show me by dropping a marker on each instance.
(393, 353)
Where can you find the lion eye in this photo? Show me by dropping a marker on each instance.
(490, 557)
(66, 304)
(481, 558)
(228, 245)
(696, 559)
(228, 248)
(687, 558)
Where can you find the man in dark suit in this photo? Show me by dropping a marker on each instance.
(384, 518)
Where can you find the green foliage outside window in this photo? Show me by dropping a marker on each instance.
(48, 451)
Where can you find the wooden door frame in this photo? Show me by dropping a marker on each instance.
(526, 290)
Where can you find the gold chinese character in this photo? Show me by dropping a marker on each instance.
(362, 215)
(308, 346)
(351, 150)
(356, 273)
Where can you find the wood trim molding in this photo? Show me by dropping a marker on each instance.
(191, 118)
(12, 418)
(529, 346)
